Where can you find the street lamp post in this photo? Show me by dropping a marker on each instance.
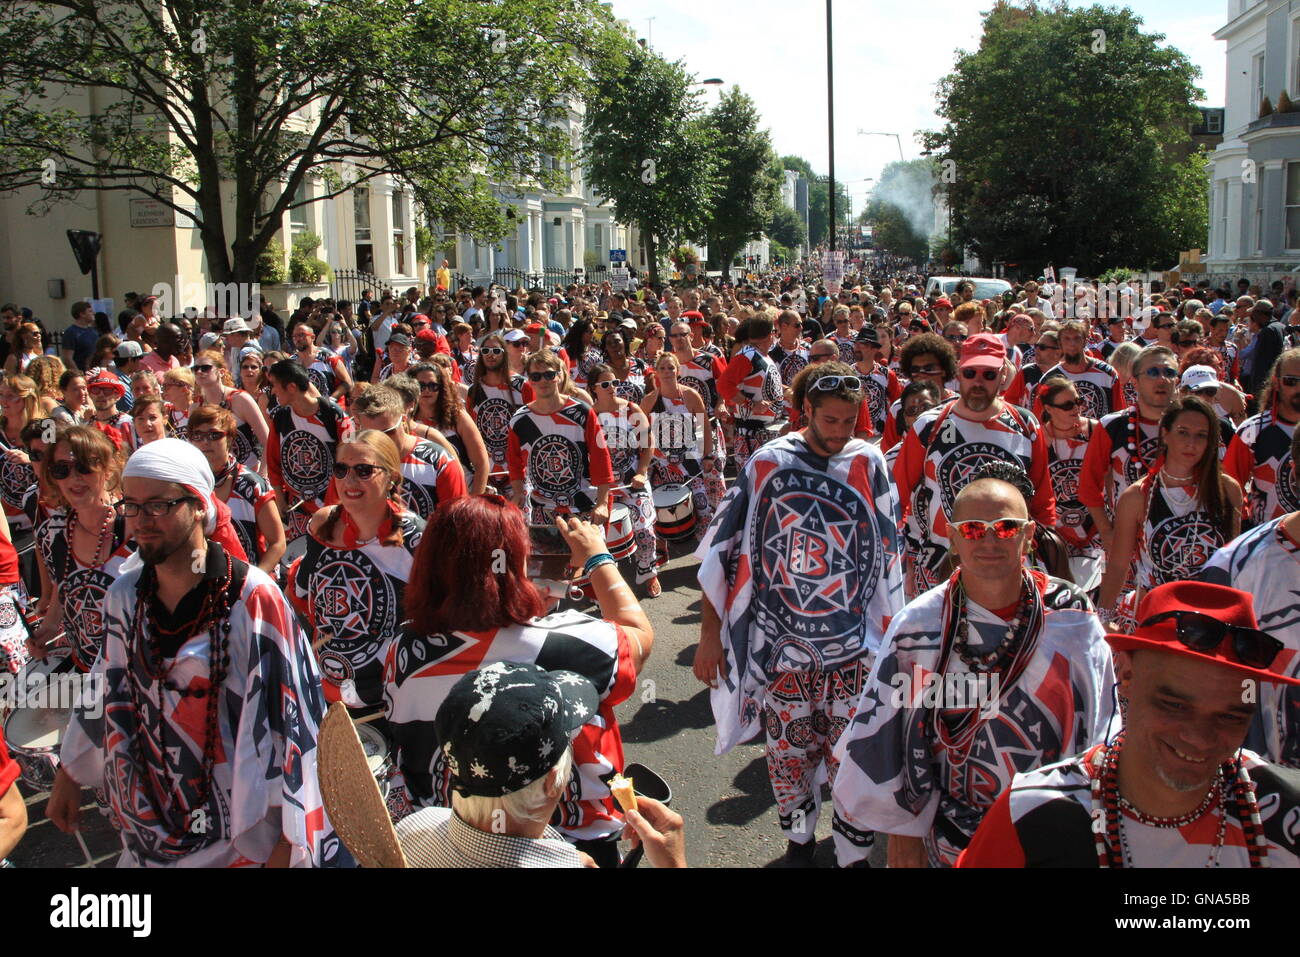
(830, 121)
(897, 139)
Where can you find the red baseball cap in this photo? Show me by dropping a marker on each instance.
(533, 327)
(103, 379)
(428, 335)
(1219, 602)
(943, 302)
(983, 351)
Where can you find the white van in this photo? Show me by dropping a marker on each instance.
(947, 286)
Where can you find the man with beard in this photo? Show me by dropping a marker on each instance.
(105, 391)
(800, 575)
(1097, 383)
(1260, 452)
(219, 770)
(326, 370)
(1126, 446)
(947, 445)
(1175, 788)
(996, 671)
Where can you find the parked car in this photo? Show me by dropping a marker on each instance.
(985, 288)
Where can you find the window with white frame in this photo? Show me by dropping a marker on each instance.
(1295, 57)
(399, 232)
(1257, 81)
(1259, 216)
(298, 214)
(365, 250)
(1293, 205)
(1223, 217)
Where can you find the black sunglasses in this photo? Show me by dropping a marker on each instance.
(1290, 381)
(549, 375)
(990, 375)
(205, 368)
(1203, 633)
(430, 386)
(1068, 406)
(61, 470)
(364, 471)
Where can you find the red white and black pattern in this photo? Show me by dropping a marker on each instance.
(265, 783)
(1098, 386)
(1266, 563)
(352, 597)
(247, 450)
(560, 456)
(323, 371)
(1044, 819)
(1074, 522)
(493, 407)
(941, 454)
(1108, 466)
(897, 779)
(81, 587)
(421, 669)
(15, 479)
(430, 476)
(803, 566)
(250, 493)
(702, 373)
(632, 386)
(300, 450)
(883, 389)
(1259, 458)
(1178, 536)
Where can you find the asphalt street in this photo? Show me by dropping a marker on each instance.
(667, 724)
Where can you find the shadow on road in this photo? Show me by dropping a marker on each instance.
(754, 802)
(658, 720)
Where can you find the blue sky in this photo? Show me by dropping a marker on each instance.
(889, 55)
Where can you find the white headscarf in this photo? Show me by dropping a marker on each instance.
(172, 460)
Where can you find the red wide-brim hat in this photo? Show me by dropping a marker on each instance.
(1226, 604)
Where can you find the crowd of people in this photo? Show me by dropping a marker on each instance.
(1013, 576)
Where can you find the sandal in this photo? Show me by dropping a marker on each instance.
(653, 589)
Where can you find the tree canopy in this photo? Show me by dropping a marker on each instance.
(1066, 139)
(221, 109)
(748, 177)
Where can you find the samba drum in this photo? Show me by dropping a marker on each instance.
(34, 736)
(674, 513)
(620, 537)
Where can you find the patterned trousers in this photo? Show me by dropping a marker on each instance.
(643, 526)
(747, 443)
(804, 716)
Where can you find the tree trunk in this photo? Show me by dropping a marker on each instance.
(652, 255)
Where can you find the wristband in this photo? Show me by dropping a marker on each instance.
(595, 561)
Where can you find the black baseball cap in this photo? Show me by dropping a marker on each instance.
(868, 335)
(505, 726)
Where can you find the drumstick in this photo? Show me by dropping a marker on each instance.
(368, 718)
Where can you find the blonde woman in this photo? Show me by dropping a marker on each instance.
(350, 581)
(46, 371)
(178, 391)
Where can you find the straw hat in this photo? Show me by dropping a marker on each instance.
(352, 799)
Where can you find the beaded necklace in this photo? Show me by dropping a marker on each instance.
(105, 535)
(168, 803)
(1134, 439)
(1108, 804)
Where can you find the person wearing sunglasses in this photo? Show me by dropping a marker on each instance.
(1068, 430)
(1127, 445)
(1169, 522)
(213, 431)
(1176, 788)
(1258, 456)
(556, 450)
(436, 466)
(631, 450)
(701, 372)
(682, 442)
(492, 400)
(813, 517)
(629, 371)
(212, 388)
(352, 577)
(948, 445)
(105, 389)
(751, 384)
(306, 430)
(327, 371)
(83, 544)
(882, 386)
(924, 761)
(1097, 383)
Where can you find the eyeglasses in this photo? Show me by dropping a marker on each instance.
(679, 335)
(609, 384)
(912, 411)
(1047, 347)
(61, 470)
(1160, 372)
(931, 369)
(550, 375)
(203, 369)
(829, 383)
(521, 344)
(213, 436)
(1188, 343)
(1002, 528)
(363, 471)
(430, 386)
(1068, 406)
(155, 508)
(989, 374)
(1290, 381)
(492, 351)
(1202, 633)
(957, 339)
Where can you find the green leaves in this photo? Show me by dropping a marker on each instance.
(748, 179)
(1067, 148)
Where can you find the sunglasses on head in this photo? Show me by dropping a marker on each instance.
(363, 471)
(1003, 528)
(1201, 632)
(1160, 372)
(61, 470)
(989, 375)
(550, 375)
(829, 383)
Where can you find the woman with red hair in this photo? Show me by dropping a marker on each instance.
(472, 605)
